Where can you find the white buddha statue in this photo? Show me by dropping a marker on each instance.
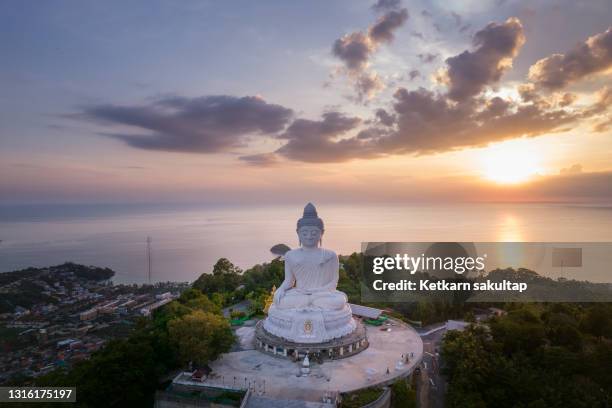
(307, 307)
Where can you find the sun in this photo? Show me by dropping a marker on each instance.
(510, 162)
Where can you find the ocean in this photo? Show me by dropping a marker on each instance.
(186, 240)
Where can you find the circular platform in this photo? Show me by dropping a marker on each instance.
(341, 347)
(281, 378)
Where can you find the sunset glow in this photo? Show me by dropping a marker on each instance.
(510, 163)
(299, 195)
(458, 103)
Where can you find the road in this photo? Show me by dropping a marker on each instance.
(431, 385)
(242, 306)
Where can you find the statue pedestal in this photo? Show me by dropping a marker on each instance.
(354, 342)
(309, 325)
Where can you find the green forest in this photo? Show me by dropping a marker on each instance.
(536, 356)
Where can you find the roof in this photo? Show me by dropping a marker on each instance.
(197, 374)
(365, 311)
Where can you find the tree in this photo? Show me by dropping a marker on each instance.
(224, 267)
(533, 357)
(470, 318)
(598, 321)
(402, 395)
(225, 277)
(196, 300)
(263, 277)
(200, 336)
(520, 330)
(258, 300)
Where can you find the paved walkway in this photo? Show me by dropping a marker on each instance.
(242, 306)
(279, 378)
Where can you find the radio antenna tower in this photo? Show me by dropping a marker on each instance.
(149, 257)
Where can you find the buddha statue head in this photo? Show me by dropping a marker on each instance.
(310, 227)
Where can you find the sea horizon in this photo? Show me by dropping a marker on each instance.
(187, 239)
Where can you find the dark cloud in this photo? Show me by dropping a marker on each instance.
(427, 58)
(423, 122)
(382, 30)
(333, 124)
(590, 57)
(206, 124)
(367, 84)
(386, 5)
(133, 167)
(494, 108)
(355, 50)
(574, 169)
(567, 99)
(414, 74)
(430, 123)
(384, 117)
(457, 18)
(465, 28)
(601, 105)
(416, 122)
(471, 71)
(459, 23)
(528, 93)
(600, 109)
(417, 34)
(316, 140)
(426, 14)
(603, 126)
(261, 160)
(426, 122)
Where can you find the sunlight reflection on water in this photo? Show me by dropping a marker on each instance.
(187, 241)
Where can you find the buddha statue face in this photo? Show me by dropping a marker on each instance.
(309, 236)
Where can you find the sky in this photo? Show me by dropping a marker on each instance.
(270, 102)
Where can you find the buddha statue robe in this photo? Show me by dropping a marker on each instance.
(311, 277)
